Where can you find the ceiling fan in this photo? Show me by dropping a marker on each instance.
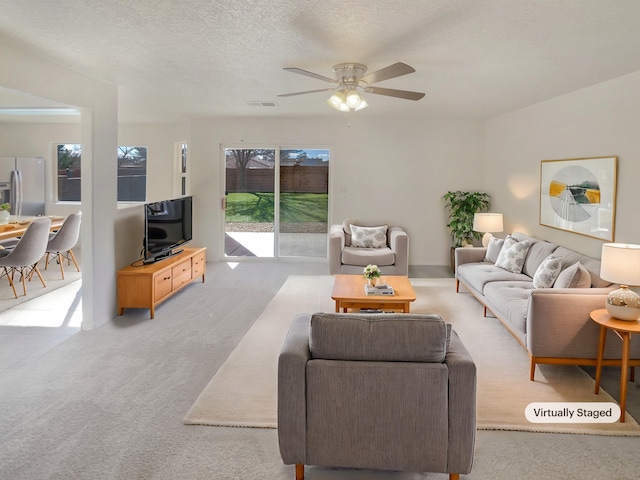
(351, 82)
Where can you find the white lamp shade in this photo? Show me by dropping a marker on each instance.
(620, 263)
(487, 222)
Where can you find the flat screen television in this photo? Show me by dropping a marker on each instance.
(167, 226)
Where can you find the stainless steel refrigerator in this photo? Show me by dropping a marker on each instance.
(22, 185)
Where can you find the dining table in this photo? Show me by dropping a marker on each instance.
(17, 226)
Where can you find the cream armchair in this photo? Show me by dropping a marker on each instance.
(390, 253)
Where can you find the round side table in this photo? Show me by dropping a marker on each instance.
(623, 329)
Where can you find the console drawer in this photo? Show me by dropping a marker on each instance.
(181, 273)
(197, 266)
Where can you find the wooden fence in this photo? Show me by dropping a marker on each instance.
(293, 179)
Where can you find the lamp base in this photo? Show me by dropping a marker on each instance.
(486, 238)
(623, 304)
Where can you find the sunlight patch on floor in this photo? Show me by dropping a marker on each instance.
(60, 308)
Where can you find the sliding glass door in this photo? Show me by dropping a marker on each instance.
(276, 202)
(304, 202)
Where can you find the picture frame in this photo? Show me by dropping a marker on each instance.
(578, 195)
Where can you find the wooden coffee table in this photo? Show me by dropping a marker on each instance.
(348, 292)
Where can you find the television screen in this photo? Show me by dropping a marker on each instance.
(168, 224)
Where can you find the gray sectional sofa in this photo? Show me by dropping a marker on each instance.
(552, 321)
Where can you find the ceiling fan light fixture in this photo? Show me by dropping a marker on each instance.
(363, 104)
(353, 99)
(351, 82)
(337, 99)
(348, 101)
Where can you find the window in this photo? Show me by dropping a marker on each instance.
(182, 169)
(132, 173)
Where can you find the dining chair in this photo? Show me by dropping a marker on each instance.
(27, 253)
(62, 241)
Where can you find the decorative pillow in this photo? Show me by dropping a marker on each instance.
(547, 272)
(513, 254)
(369, 237)
(575, 276)
(493, 249)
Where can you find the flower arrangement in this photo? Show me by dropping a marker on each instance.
(372, 271)
(5, 206)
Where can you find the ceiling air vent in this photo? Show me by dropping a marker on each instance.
(262, 104)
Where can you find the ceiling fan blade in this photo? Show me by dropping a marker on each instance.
(306, 73)
(392, 71)
(391, 92)
(304, 93)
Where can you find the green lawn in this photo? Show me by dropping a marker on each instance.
(294, 207)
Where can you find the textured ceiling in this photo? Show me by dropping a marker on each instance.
(474, 58)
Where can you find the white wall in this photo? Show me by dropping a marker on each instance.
(393, 169)
(98, 103)
(601, 120)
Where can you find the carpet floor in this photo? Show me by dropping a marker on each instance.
(243, 391)
(108, 404)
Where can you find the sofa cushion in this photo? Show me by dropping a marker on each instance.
(493, 249)
(380, 338)
(369, 237)
(547, 272)
(513, 254)
(569, 257)
(574, 276)
(538, 253)
(477, 275)
(512, 300)
(364, 256)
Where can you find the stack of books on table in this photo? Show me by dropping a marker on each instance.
(378, 290)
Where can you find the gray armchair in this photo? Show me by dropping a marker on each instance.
(384, 392)
(345, 257)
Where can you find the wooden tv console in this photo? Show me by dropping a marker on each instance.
(146, 286)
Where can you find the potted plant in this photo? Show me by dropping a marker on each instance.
(372, 273)
(462, 206)
(4, 213)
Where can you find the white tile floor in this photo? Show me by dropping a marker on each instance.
(33, 327)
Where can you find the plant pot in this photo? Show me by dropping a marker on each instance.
(4, 217)
(453, 259)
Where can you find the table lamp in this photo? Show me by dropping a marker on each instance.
(620, 263)
(488, 223)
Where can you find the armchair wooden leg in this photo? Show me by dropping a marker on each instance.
(454, 476)
(299, 471)
(457, 286)
(532, 368)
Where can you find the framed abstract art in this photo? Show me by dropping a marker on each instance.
(579, 195)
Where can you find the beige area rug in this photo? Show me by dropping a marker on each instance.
(243, 391)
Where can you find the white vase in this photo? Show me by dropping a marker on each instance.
(4, 217)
